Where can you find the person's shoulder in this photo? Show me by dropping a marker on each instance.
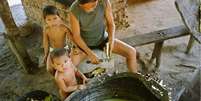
(75, 9)
(64, 27)
(46, 29)
(105, 2)
(74, 5)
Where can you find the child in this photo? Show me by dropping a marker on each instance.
(55, 34)
(66, 73)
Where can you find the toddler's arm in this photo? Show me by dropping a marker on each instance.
(80, 74)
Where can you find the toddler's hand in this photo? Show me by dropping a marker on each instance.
(85, 80)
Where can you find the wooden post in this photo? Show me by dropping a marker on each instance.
(190, 44)
(157, 53)
(12, 30)
(189, 11)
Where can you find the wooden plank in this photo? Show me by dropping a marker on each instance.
(190, 45)
(157, 53)
(157, 36)
(189, 11)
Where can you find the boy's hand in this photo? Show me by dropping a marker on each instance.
(93, 58)
(80, 87)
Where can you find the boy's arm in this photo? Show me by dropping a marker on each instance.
(110, 23)
(45, 45)
(61, 84)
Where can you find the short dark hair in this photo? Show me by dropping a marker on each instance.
(57, 53)
(85, 1)
(50, 10)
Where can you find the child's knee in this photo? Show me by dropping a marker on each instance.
(132, 53)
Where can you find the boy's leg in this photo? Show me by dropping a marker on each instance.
(77, 56)
(128, 52)
(49, 65)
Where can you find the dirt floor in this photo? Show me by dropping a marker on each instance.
(176, 70)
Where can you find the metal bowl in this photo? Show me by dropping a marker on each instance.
(124, 86)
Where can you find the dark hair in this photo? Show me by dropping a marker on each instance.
(57, 53)
(85, 1)
(50, 10)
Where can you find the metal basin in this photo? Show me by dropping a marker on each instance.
(121, 87)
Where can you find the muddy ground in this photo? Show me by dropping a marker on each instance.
(176, 70)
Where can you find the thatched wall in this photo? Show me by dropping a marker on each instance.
(33, 9)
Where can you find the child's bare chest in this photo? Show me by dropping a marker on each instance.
(56, 34)
(69, 76)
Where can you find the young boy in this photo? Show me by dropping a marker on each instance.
(66, 73)
(55, 34)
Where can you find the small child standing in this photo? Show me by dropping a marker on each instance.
(66, 73)
(55, 34)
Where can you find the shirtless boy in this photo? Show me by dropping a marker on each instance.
(55, 34)
(66, 73)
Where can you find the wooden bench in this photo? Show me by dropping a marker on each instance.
(189, 11)
(157, 37)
